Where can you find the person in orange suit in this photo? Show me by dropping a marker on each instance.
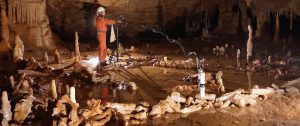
(101, 25)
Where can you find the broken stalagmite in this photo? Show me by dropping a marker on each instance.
(18, 50)
(46, 58)
(72, 94)
(53, 89)
(23, 109)
(57, 57)
(6, 109)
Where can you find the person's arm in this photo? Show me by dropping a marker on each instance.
(110, 22)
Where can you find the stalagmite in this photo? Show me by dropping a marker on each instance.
(225, 104)
(6, 109)
(238, 57)
(73, 116)
(222, 50)
(208, 97)
(18, 50)
(59, 89)
(123, 108)
(60, 108)
(289, 54)
(67, 89)
(77, 51)
(220, 81)
(53, 89)
(229, 95)
(266, 91)
(32, 73)
(23, 108)
(269, 59)
(57, 57)
(192, 108)
(242, 100)
(238, 54)
(46, 58)
(249, 76)
(72, 94)
(12, 82)
(249, 44)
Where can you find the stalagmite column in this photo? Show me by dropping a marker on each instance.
(277, 28)
(77, 51)
(18, 50)
(249, 44)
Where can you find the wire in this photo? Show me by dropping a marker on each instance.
(199, 61)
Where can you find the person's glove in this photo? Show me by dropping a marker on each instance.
(118, 21)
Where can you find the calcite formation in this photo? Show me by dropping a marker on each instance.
(29, 20)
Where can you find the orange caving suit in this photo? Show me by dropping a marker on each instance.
(101, 24)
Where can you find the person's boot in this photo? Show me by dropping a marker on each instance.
(98, 68)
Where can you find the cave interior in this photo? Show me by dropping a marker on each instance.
(167, 62)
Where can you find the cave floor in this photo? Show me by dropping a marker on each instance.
(155, 83)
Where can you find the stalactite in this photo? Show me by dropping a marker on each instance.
(248, 2)
(260, 22)
(291, 21)
(4, 23)
(29, 12)
(277, 28)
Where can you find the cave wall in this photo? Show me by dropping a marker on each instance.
(187, 19)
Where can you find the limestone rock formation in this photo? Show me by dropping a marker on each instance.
(188, 17)
(249, 44)
(29, 20)
(18, 52)
(4, 38)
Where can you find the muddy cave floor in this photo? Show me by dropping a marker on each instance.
(154, 84)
